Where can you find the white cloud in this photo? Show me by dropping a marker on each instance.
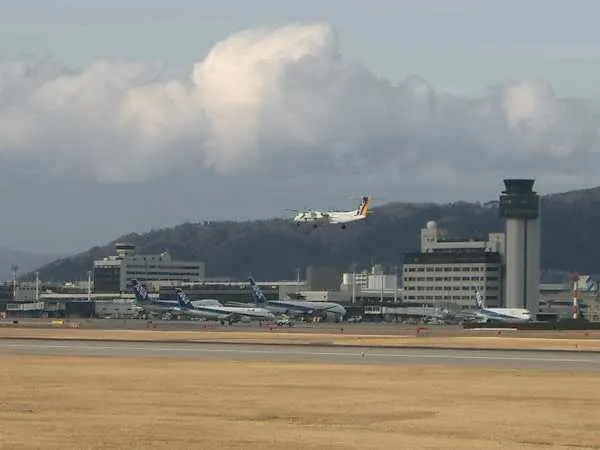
(282, 101)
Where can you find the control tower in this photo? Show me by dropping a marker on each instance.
(520, 206)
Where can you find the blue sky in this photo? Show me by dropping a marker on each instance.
(129, 116)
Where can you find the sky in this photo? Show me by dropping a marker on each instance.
(131, 116)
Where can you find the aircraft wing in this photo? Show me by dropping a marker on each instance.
(329, 308)
(237, 304)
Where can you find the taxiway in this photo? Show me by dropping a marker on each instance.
(495, 358)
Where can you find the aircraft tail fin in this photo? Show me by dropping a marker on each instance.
(182, 299)
(255, 293)
(479, 300)
(363, 209)
(141, 293)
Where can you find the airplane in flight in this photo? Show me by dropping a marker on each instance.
(295, 308)
(221, 313)
(333, 217)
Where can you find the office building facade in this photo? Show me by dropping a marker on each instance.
(449, 272)
(113, 274)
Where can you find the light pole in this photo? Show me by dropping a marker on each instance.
(353, 283)
(396, 284)
(89, 286)
(14, 269)
(37, 286)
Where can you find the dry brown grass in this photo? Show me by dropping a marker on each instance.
(581, 341)
(57, 402)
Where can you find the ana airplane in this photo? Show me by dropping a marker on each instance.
(152, 306)
(168, 308)
(294, 308)
(221, 313)
(333, 217)
(499, 315)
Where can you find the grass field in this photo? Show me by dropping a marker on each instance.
(52, 402)
(549, 340)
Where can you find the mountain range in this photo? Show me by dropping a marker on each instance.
(275, 248)
(24, 261)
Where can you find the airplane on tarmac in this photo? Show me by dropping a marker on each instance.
(484, 314)
(221, 313)
(333, 217)
(152, 306)
(294, 308)
(168, 308)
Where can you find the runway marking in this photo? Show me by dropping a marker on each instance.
(362, 354)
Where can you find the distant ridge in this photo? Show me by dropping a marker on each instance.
(25, 261)
(273, 249)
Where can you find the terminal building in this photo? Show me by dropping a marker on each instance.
(449, 272)
(113, 273)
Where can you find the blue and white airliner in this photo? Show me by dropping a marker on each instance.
(499, 315)
(219, 312)
(153, 306)
(294, 308)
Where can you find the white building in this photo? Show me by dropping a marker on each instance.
(373, 284)
(361, 281)
(27, 292)
(112, 274)
(450, 271)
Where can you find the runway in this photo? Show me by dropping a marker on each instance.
(309, 353)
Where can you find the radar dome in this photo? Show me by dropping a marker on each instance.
(431, 225)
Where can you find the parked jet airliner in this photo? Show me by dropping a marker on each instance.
(327, 310)
(500, 315)
(221, 313)
(153, 306)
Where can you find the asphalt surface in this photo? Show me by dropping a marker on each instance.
(493, 358)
